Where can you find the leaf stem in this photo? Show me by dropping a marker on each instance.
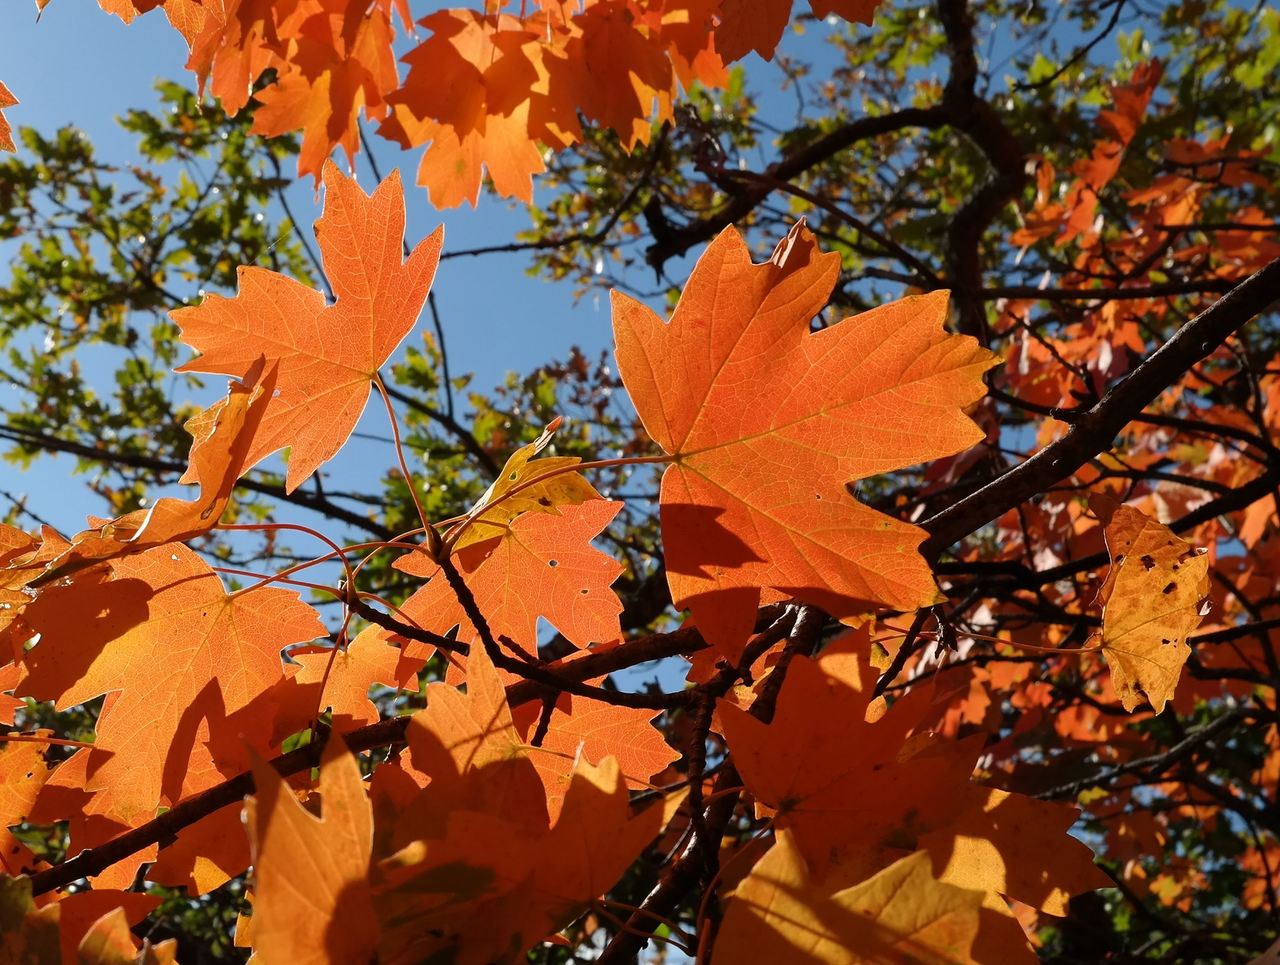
(395, 436)
(338, 551)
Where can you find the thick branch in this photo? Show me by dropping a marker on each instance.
(1093, 431)
(985, 129)
(676, 240)
(93, 861)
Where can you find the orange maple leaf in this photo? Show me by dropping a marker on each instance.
(767, 424)
(781, 913)
(85, 927)
(583, 729)
(21, 561)
(6, 132)
(222, 437)
(338, 62)
(747, 25)
(10, 675)
(90, 816)
(177, 648)
(481, 888)
(544, 566)
(24, 769)
(470, 94)
(478, 866)
(326, 356)
(545, 485)
(1152, 599)
(860, 795)
(205, 855)
(476, 758)
(94, 927)
(339, 681)
(319, 863)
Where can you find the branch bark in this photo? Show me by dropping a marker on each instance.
(96, 860)
(675, 240)
(1093, 431)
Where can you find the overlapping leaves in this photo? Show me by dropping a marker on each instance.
(503, 825)
(484, 88)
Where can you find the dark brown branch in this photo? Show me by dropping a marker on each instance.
(1153, 765)
(983, 126)
(927, 277)
(1093, 431)
(93, 861)
(1194, 286)
(299, 497)
(676, 240)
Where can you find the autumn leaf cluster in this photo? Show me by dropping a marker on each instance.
(197, 691)
(955, 613)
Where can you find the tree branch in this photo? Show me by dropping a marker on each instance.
(306, 499)
(676, 240)
(93, 861)
(1093, 431)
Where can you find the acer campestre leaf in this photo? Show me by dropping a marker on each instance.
(325, 356)
(767, 424)
(1151, 601)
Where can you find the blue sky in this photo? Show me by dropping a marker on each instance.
(80, 66)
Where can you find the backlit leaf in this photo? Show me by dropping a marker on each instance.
(325, 356)
(1152, 599)
(767, 422)
(319, 864)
